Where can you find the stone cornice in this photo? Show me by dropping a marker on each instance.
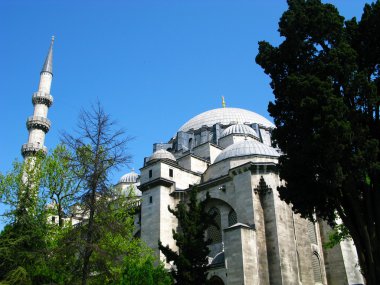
(170, 163)
(155, 182)
(213, 182)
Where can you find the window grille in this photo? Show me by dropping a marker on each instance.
(215, 233)
(312, 232)
(232, 218)
(316, 268)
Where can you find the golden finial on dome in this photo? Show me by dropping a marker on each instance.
(223, 102)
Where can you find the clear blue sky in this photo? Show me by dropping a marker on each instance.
(152, 64)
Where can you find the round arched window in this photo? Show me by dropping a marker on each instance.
(316, 268)
(215, 232)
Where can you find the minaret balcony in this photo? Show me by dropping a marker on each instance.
(42, 98)
(29, 149)
(36, 122)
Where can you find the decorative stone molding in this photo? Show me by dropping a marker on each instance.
(29, 149)
(156, 182)
(37, 122)
(42, 98)
(262, 188)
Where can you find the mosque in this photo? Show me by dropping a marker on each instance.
(228, 153)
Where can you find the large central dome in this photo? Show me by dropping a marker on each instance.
(225, 116)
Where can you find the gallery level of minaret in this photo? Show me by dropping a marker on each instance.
(38, 124)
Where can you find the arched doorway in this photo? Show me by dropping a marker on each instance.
(215, 280)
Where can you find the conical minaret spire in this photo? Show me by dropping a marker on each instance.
(48, 64)
(38, 124)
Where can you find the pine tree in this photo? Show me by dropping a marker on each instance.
(98, 148)
(326, 82)
(191, 262)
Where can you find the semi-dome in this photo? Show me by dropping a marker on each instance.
(161, 154)
(130, 177)
(239, 129)
(246, 148)
(225, 116)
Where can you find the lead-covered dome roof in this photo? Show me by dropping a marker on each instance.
(246, 148)
(225, 116)
(239, 129)
(161, 154)
(130, 177)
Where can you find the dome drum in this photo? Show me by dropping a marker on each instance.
(247, 148)
(160, 155)
(239, 129)
(130, 177)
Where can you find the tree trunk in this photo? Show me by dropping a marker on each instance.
(60, 215)
(89, 236)
(363, 224)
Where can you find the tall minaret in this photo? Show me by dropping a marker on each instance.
(38, 124)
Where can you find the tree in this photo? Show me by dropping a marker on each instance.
(116, 241)
(21, 187)
(24, 242)
(191, 262)
(98, 148)
(326, 82)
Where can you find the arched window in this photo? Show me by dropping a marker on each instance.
(316, 268)
(232, 218)
(215, 233)
(215, 280)
(190, 143)
(312, 232)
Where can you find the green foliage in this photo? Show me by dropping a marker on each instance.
(191, 262)
(140, 270)
(24, 244)
(59, 181)
(325, 77)
(20, 188)
(114, 237)
(35, 251)
(338, 234)
(72, 180)
(18, 276)
(104, 236)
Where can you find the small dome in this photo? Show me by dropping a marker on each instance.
(245, 148)
(130, 177)
(239, 129)
(161, 154)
